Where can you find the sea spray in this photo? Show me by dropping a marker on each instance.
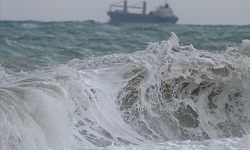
(167, 92)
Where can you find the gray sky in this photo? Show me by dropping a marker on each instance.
(189, 11)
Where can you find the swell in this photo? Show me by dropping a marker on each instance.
(27, 45)
(167, 92)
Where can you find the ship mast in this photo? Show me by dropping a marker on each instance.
(144, 8)
(125, 6)
(1, 9)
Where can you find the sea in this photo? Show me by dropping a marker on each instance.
(85, 85)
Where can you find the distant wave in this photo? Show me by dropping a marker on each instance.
(28, 45)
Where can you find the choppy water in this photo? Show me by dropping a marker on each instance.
(87, 85)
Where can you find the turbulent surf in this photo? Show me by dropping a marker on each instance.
(168, 96)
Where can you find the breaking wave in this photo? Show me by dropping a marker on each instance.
(166, 94)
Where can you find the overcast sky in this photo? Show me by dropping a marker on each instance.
(189, 11)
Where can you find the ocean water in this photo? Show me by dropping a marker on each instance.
(88, 85)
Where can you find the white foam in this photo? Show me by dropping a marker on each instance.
(246, 43)
(75, 106)
(215, 144)
(245, 47)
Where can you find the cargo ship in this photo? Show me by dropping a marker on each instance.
(120, 13)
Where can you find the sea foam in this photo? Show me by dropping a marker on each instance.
(166, 97)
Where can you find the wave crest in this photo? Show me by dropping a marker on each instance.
(167, 92)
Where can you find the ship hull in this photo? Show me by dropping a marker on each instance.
(122, 17)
